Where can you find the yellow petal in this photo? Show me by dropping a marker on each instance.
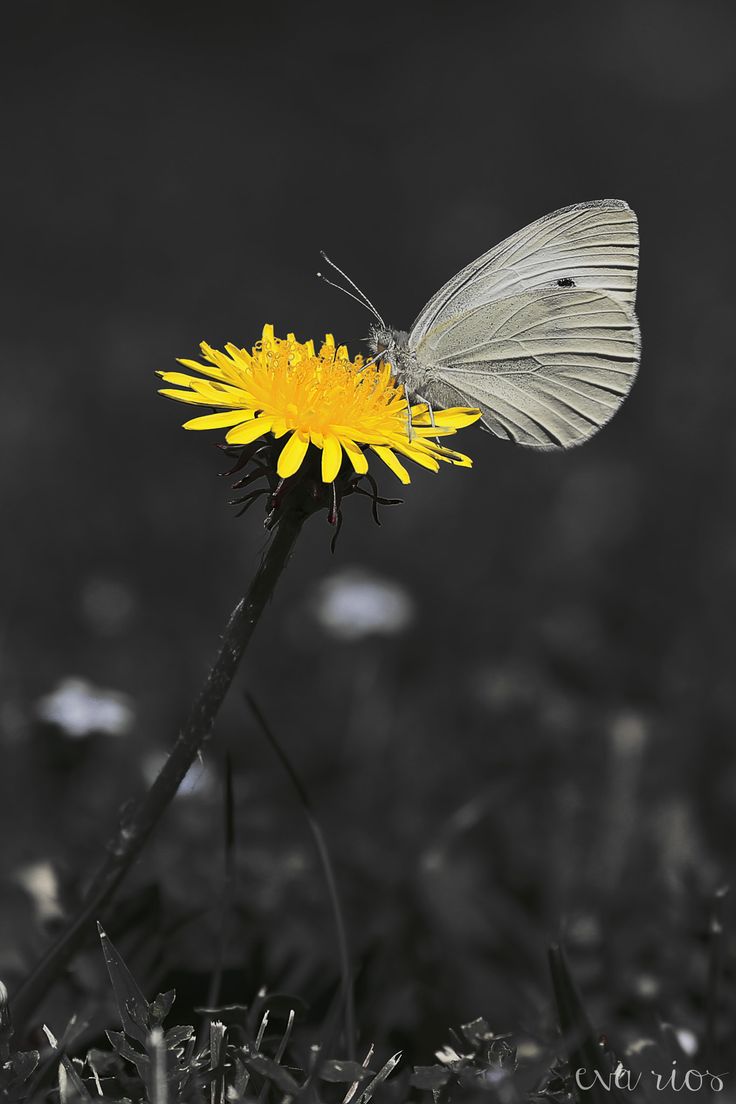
(251, 431)
(194, 398)
(457, 416)
(392, 462)
(357, 456)
(232, 366)
(453, 417)
(292, 454)
(429, 431)
(331, 458)
(420, 414)
(219, 421)
(178, 378)
(238, 354)
(205, 369)
(459, 459)
(219, 394)
(418, 455)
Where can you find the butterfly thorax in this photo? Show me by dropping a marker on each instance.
(392, 347)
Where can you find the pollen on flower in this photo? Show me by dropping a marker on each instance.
(315, 399)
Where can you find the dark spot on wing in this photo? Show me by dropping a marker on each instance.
(566, 282)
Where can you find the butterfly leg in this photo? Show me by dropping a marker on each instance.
(430, 411)
(409, 426)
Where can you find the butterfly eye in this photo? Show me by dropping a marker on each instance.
(566, 282)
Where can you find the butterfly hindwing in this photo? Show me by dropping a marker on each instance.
(547, 369)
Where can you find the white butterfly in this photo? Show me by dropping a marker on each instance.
(540, 333)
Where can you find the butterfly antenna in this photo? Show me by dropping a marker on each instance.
(362, 294)
(346, 292)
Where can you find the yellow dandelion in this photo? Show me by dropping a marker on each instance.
(343, 407)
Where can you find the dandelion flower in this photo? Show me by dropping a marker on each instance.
(346, 408)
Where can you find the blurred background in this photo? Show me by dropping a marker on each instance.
(513, 705)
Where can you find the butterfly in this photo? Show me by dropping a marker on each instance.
(539, 333)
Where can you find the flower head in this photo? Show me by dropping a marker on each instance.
(285, 388)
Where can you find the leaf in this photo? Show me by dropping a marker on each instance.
(241, 1076)
(121, 1046)
(477, 1031)
(160, 1008)
(340, 1072)
(22, 1064)
(175, 1036)
(132, 1005)
(269, 1069)
(429, 1077)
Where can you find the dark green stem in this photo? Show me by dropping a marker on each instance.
(136, 826)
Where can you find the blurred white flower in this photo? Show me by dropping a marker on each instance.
(647, 986)
(688, 1040)
(506, 686)
(584, 930)
(41, 884)
(353, 604)
(80, 709)
(108, 605)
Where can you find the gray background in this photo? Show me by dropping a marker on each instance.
(170, 176)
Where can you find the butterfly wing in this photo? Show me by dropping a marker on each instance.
(547, 363)
(546, 368)
(596, 245)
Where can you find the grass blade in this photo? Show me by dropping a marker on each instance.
(329, 875)
(131, 1002)
(583, 1050)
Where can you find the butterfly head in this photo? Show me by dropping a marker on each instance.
(386, 343)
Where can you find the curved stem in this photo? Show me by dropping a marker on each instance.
(136, 826)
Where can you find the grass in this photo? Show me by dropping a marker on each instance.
(274, 1048)
(262, 1052)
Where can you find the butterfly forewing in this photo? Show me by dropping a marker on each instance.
(595, 245)
(540, 332)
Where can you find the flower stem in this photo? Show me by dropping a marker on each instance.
(136, 826)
